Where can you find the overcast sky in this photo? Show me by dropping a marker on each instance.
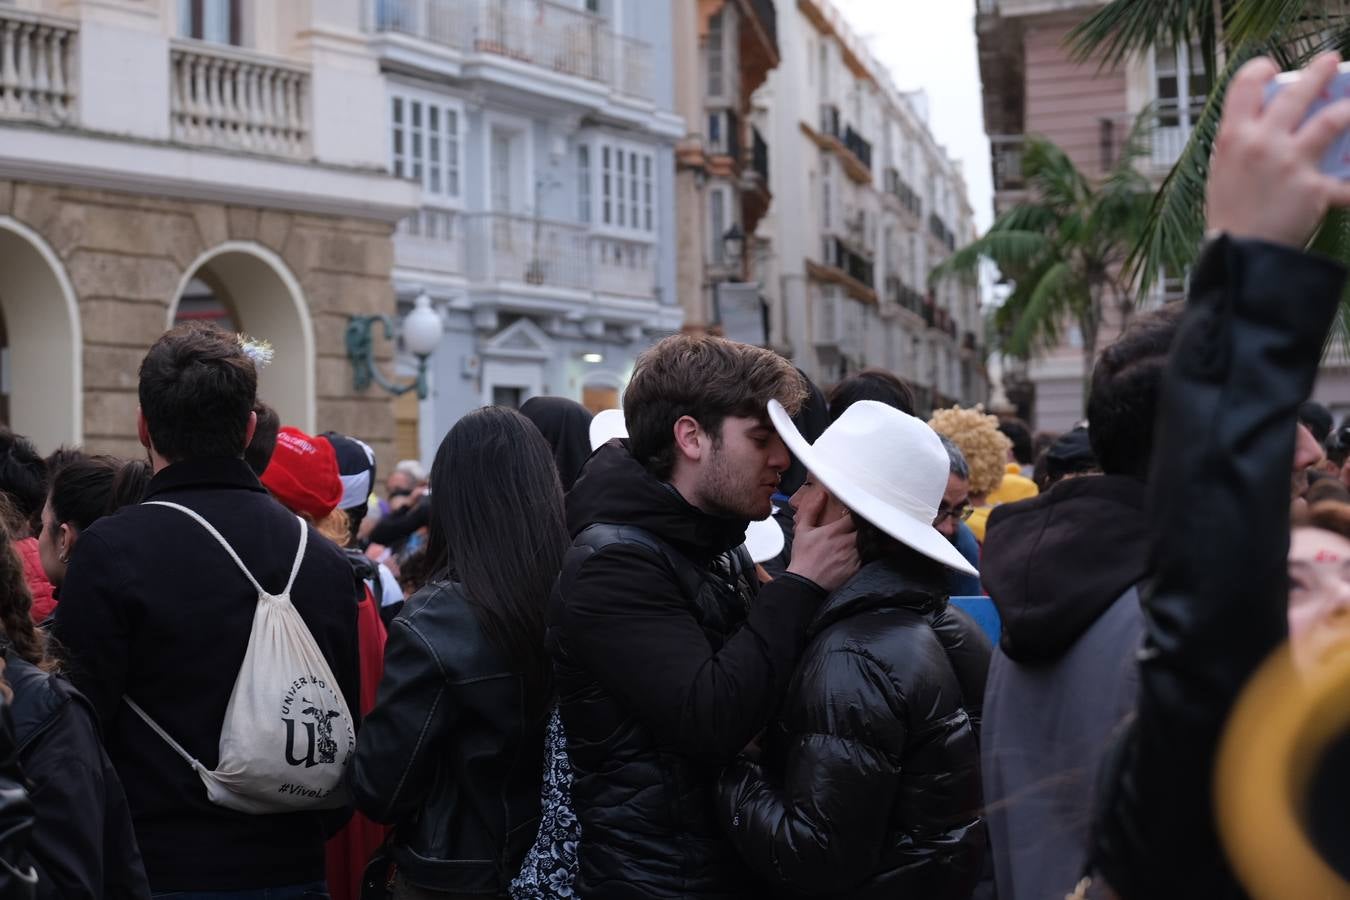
(930, 44)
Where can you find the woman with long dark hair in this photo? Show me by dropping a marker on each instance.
(452, 752)
(82, 844)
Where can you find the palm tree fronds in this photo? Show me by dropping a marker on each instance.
(1125, 27)
(1035, 321)
(1258, 21)
(1009, 250)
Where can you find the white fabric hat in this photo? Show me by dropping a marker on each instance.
(763, 539)
(887, 467)
(607, 425)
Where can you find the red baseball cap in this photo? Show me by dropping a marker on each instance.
(303, 474)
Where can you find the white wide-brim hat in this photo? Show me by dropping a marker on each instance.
(607, 425)
(886, 467)
(763, 539)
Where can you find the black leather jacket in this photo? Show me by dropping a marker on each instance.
(668, 662)
(870, 781)
(450, 755)
(83, 844)
(1219, 496)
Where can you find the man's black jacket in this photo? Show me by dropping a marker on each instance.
(154, 609)
(1219, 499)
(661, 686)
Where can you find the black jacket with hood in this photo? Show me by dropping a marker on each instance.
(669, 661)
(869, 785)
(1062, 569)
(1246, 356)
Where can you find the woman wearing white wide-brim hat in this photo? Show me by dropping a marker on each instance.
(869, 782)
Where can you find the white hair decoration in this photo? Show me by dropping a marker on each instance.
(259, 351)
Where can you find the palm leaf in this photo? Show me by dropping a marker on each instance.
(1007, 249)
(1035, 324)
(1333, 240)
(1125, 27)
(1257, 21)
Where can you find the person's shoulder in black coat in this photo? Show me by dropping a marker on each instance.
(83, 844)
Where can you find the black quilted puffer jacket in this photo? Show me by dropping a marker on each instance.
(869, 785)
(668, 661)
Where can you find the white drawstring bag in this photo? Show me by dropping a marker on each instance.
(287, 734)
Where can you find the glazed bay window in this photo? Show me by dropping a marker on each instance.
(425, 139)
(424, 143)
(616, 189)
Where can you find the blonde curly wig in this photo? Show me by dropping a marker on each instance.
(984, 446)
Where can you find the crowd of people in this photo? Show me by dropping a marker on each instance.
(971, 661)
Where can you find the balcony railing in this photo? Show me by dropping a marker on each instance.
(768, 18)
(939, 230)
(859, 147)
(850, 262)
(235, 100)
(900, 189)
(622, 267)
(431, 240)
(759, 156)
(1006, 157)
(512, 249)
(36, 59)
(903, 295)
(525, 250)
(542, 33)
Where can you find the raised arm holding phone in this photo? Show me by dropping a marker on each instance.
(1258, 313)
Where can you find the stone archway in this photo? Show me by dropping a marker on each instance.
(42, 376)
(265, 301)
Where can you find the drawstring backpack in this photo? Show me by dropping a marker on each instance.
(287, 734)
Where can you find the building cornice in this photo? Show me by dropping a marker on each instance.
(109, 162)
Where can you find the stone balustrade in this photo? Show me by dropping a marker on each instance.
(232, 99)
(36, 65)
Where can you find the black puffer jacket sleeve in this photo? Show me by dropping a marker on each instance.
(825, 828)
(627, 622)
(1246, 356)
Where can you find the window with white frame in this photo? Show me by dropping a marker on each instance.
(1181, 85)
(717, 81)
(425, 136)
(717, 224)
(217, 21)
(622, 193)
(584, 183)
(826, 195)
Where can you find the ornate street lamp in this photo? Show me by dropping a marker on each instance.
(421, 330)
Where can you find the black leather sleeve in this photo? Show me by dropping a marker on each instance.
(1246, 356)
(404, 737)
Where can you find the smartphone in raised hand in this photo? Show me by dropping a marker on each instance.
(1336, 161)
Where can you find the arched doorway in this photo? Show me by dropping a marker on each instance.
(41, 357)
(243, 286)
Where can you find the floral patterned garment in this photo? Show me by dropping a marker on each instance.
(551, 865)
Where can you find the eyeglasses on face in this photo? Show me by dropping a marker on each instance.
(960, 513)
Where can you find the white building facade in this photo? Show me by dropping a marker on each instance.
(865, 205)
(171, 159)
(540, 134)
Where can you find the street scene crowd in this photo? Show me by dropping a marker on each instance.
(746, 637)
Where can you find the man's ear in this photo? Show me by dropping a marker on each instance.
(143, 430)
(250, 429)
(690, 439)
